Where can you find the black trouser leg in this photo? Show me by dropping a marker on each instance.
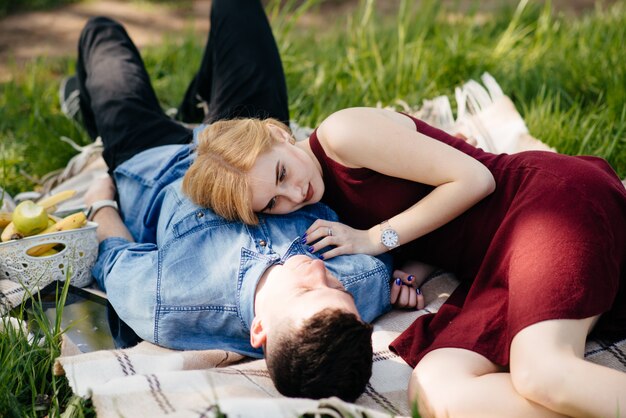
(241, 74)
(117, 100)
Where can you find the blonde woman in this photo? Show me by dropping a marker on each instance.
(538, 240)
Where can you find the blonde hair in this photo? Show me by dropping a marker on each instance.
(226, 152)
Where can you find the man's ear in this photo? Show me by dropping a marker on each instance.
(258, 333)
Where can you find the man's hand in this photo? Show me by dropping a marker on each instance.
(108, 219)
(102, 188)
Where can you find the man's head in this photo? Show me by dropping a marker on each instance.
(315, 343)
(329, 355)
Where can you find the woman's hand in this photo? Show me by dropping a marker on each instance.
(344, 239)
(405, 293)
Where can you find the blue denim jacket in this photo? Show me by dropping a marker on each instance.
(188, 282)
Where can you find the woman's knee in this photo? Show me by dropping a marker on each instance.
(439, 381)
(426, 392)
(437, 394)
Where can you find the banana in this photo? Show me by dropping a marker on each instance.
(55, 199)
(48, 253)
(5, 218)
(10, 232)
(73, 221)
(53, 218)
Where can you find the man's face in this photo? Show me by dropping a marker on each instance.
(303, 287)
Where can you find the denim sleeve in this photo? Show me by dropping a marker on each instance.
(126, 271)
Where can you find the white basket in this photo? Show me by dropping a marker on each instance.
(77, 257)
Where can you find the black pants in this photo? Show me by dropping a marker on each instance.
(241, 75)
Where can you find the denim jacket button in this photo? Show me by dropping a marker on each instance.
(262, 243)
(200, 214)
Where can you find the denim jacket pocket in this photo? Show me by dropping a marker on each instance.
(199, 219)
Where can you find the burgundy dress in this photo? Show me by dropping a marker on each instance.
(548, 243)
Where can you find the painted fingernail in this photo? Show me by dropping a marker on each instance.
(410, 278)
(419, 292)
(311, 249)
(398, 281)
(303, 239)
(321, 256)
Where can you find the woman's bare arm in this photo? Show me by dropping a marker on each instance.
(388, 143)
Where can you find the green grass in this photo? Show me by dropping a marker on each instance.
(566, 75)
(27, 354)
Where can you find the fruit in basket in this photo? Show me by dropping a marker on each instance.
(30, 218)
(49, 203)
(53, 218)
(73, 221)
(10, 232)
(5, 218)
(48, 253)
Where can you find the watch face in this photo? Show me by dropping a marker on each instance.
(389, 238)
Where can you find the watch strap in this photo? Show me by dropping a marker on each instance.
(99, 204)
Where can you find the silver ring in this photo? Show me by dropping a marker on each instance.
(330, 232)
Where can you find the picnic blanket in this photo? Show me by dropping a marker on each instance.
(152, 381)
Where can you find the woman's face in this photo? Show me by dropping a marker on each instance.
(285, 178)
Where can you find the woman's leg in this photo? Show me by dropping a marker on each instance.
(452, 382)
(548, 367)
(241, 74)
(117, 100)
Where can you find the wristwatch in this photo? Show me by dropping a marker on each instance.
(99, 204)
(388, 236)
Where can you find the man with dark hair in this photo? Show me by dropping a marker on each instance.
(184, 278)
(294, 360)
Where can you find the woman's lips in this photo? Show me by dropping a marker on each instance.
(309, 193)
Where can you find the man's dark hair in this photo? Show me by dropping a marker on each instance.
(330, 355)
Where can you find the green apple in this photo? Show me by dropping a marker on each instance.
(30, 218)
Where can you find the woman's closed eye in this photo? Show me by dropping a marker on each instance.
(281, 173)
